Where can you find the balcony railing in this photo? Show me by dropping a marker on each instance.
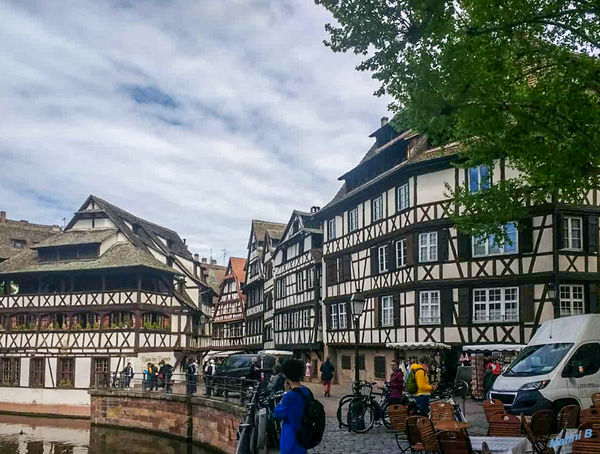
(75, 299)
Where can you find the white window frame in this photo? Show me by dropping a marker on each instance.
(387, 310)
(342, 316)
(401, 253)
(493, 305)
(377, 208)
(429, 307)
(331, 229)
(569, 303)
(353, 219)
(403, 197)
(333, 314)
(382, 262)
(300, 281)
(428, 247)
(568, 237)
(479, 178)
(488, 243)
(310, 281)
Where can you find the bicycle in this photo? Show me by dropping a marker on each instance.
(449, 394)
(269, 428)
(358, 389)
(365, 411)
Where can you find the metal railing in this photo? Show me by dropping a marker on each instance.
(221, 387)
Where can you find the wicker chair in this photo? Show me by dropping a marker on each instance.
(492, 407)
(413, 435)
(588, 445)
(591, 415)
(397, 414)
(441, 411)
(455, 443)
(568, 417)
(596, 400)
(539, 430)
(505, 426)
(428, 436)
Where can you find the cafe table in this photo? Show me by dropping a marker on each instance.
(451, 426)
(501, 445)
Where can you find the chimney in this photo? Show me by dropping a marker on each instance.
(184, 242)
(196, 257)
(204, 260)
(384, 121)
(213, 261)
(24, 221)
(314, 209)
(2, 217)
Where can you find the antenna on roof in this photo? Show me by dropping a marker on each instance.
(64, 222)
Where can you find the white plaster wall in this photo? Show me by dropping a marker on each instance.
(48, 396)
(50, 377)
(307, 243)
(24, 379)
(103, 223)
(390, 201)
(83, 368)
(82, 224)
(111, 241)
(431, 186)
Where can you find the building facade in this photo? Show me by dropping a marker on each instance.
(388, 235)
(15, 236)
(229, 314)
(110, 289)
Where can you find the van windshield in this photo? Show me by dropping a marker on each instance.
(537, 360)
(234, 362)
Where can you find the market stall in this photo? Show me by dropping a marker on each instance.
(410, 352)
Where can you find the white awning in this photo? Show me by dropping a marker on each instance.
(277, 352)
(494, 348)
(221, 354)
(417, 345)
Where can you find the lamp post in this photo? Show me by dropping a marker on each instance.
(357, 304)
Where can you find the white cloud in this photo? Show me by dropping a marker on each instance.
(263, 117)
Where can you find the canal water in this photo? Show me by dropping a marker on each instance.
(32, 435)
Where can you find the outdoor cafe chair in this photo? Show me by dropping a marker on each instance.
(413, 435)
(539, 430)
(591, 415)
(587, 445)
(596, 400)
(568, 417)
(441, 411)
(492, 407)
(504, 425)
(428, 436)
(397, 415)
(455, 443)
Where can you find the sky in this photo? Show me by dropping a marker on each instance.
(198, 115)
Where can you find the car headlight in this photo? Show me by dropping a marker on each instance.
(534, 385)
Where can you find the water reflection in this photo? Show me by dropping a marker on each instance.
(25, 435)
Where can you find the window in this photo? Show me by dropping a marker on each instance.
(572, 233)
(285, 322)
(300, 284)
(100, 372)
(268, 334)
(571, 300)
(346, 362)
(382, 258)
(586, 360)
(429, 307)
(496, 304)
(428, 247)
(19, 244)
(377, 206)
(333, 314)
(353, 219)
(379, 366)
(361, 362)
(402, 196)
(401, 253)
(37, 370)
(280, 288)
(343, 268)
(479, 178)
(66, 373)
(10, 371)
(331, 229)
(483, 246)
(387, 311)
(343, 319)
(310, 278)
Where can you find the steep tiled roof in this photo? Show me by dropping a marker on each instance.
(275, 229)
(76, 237)
(32, 234)
(238, 267)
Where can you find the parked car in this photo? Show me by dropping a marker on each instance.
(559, 366)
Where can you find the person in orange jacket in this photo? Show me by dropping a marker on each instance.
(424, 388)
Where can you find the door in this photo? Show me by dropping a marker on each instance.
(585, 365)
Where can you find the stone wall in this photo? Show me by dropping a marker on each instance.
(205, 421)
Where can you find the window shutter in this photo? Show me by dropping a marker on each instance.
(378, 311)
(397, 310)
(330, 268)
(446, 306)
(443, 238)
(592, 233)
(418, 307)
(593, 298)
(391, 255)
(328, 312)
(301, 246)
(525, 239)
(464, 246)
(374, 262)
(560, 231)
(526, 303)
(464, 305)
(411, 249)
(349, 318)
(347, 267)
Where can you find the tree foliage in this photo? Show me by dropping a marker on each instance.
(517, 80)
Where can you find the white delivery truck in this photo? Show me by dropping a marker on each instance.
(559, 366)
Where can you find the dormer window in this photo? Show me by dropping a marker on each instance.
(74, 252)
(136, 229)
(170, 244)
(18, 244)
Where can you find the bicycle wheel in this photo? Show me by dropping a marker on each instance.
(361, 415)
(385, 417)
(342, 410)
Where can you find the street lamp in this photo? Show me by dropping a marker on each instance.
(357, 304)
(552, 291)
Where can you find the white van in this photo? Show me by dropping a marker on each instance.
(559, 366)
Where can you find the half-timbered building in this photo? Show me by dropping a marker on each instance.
(18, 235)
(258, 286)
(112, 288)
(229, 313)
(297, 274)
(388, 235)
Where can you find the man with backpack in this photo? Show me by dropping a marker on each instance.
(303, 417)
(418, 384)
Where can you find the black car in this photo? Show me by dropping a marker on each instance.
(240, 366)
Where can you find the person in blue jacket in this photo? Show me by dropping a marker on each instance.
(291, 408)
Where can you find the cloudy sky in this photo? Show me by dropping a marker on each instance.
(199, 115)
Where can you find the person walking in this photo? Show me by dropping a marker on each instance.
(327, 371)
(307, 371)
(209, 371)
(127, 375)
(277, 381)
(396, 384)
(152, 377)
(164, 374)
(291, 408)
(191, 372)
(424, 388)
